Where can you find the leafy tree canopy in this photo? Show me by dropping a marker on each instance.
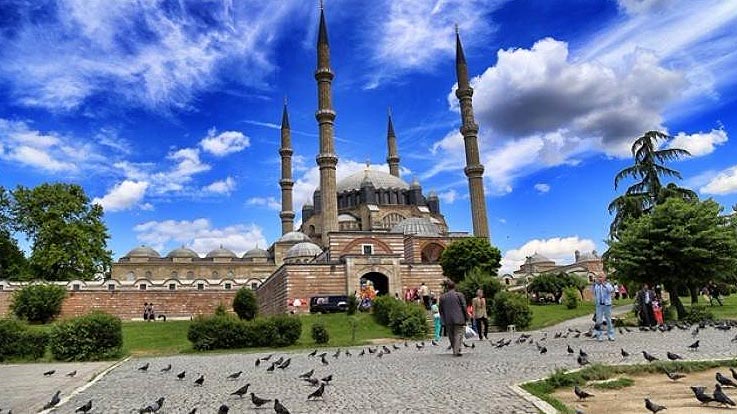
(555, 283)
(13, 264)
(463, 255)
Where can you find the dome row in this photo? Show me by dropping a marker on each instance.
(184, 252)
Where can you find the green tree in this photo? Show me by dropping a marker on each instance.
(555, 283)
(476, 279)
(647, 170)
(245, 304)
(67, 234)
(680, 244)
(13, 263)
(463, 255)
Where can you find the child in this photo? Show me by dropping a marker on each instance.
(436, 317)
(658, 312)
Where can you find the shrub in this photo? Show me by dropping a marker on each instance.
(511, 309)
(570, 297)
(698, 313)
(288, 330)
(320, 333)
(409, 321)
(476, 279)
(229, 332)
(38, 303)
(382, 308)
(352, 304)
(94, 336)
(245, 304)
(17, 341)
(221, 310)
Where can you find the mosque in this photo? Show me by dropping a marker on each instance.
(371, 227)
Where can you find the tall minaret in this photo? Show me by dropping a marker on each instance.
(474, 170)
(326, 159)
(286, 182)
(393, 156)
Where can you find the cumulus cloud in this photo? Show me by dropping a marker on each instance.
(448, 197)
(224, 143)
(701, 143)
(270, 202)
(225, 186)
(199, 235)
(123, 196)
(542, 188)
(559, 249)
(724, 182)
(177, 178)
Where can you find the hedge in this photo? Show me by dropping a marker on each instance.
(229, 332)
(94, 336)
(408, 320)
(38, 303)
(17, 341)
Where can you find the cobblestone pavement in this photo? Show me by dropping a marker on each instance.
(406, 381)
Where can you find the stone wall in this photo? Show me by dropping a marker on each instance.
(129, 304)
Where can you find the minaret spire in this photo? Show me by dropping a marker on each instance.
(393, 156)
(327, 160)
(286, 182)
(469, 129)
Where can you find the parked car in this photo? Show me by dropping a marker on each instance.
(328, 303)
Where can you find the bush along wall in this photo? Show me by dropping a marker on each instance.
(38, 303)
(229, 332)
(94, 336)
(408, 320)
(18, 342)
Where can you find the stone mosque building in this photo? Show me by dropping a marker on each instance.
(370, 226)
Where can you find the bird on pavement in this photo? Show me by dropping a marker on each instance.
(433, 342)
(267, 357)
(307, 374)
(49, 373)
(324, 361)
(155, 407)
(734, 373)
(258, 362)
(653, 407)
(582, 353)
(166, 369)
(348, 353)
(570, 350)
(279, 361)
(223, 409)
(194, 410)
(258, 402)
(279, 408)
(721, 379)
(181, 375)
(199, 381)
(313, 381)
(317, 393)
(144, 367)
(54, 400)
(694, 346)
(701, 395)
(395, 346)
(649, 357)
(271, 367)
(71, 374)
(624, 353)
(327, 379)
(543, 350)
(721, 397)
(673, 356)
(675, 376)
(581, 394)
(420, 346)
(362, 353)
(85, 408)
(285, 363)
(311, 354)
(582, 360)
(241, 391)
(235, 375)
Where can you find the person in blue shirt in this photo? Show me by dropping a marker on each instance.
(603, 291)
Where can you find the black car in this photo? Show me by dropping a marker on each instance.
(328, 303)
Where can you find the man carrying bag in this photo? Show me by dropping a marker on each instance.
(453, 316)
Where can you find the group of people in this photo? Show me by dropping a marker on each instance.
(148, 312)
(421, 294)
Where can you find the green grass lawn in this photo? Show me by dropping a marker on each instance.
(155, 338)
(728, 311)
(547, 315)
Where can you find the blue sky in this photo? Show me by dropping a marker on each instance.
(167, 112)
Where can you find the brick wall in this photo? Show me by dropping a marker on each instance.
(129, 304)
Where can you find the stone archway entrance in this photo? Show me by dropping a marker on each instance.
(379, 280)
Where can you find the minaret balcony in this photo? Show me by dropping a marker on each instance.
(327, 160)
(325, 115)
(464, 92)
(474, 170)
(286, 152)
(324, 74)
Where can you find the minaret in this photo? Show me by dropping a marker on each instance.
(393, 156)
(326, 158)
(474, 170)
(286, 182)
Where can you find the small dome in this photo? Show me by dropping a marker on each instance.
(419, 226)
(183, 252)
(143, 251)
(345, 218)
(379, 179)
(538, 258)
(221, 252)
(304, 249)
(256, 252)
(293, 236)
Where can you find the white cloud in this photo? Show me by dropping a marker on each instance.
(199, 235)
(225, 186)
(559, 249)
(224, 143)
(448, 197)
(542, 188)
(643, 6)
(701, 143)
(123, 196)
(725, 182)
(269, 202)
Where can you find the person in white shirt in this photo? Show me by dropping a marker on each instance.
(603, 291)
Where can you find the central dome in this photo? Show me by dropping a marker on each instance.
(379, 179)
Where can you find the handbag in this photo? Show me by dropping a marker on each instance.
(470, 333)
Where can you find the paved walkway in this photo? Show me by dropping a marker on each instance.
(406, 381)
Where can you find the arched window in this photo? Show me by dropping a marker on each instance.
(391, 219)
(431, 253)
(130, 276)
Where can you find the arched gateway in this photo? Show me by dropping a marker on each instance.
(379, 281)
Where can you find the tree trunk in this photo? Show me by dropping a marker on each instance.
(676, 301)
(694, 295)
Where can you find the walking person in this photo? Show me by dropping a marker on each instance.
(425, 294)
(453, 315)
(644, 305)
(436, 318)
(479, 314)
(603, 291)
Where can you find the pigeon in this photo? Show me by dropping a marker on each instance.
(258, 362)
(675, 376)
(570, 350)
(144, 367)
(199, 381)
(49, 373)
(235, 375)
(85, 408)
(648, 357)
(271, 367)
(362, 353)
(317, 393)
(625, 354)
(307, 374)
(155, 407)
(420, 346)
(372, 351)
(380, 354)
(54, 400)
(327, 379)
(258, 402)
(734, 339)
(166, 369)
(313, 381)
(348, 353)
(194, 410)
(673, 356)
(694, 346)
(181, 375)
(734, 373)
(279, 408)
(721, 379)
(279, 361)
(386, 350)
(701, 395)
(433, 342)
(581, 394)
(223, 409)
(313, 353)
(241, 391)
(71, 374)
(582, 360)
(325, 361)
(543, 350)
(582, 353)
(653, 407)
(721, 397)
(406, 344)
(268, 357)
(285, 363)
(395, 346)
